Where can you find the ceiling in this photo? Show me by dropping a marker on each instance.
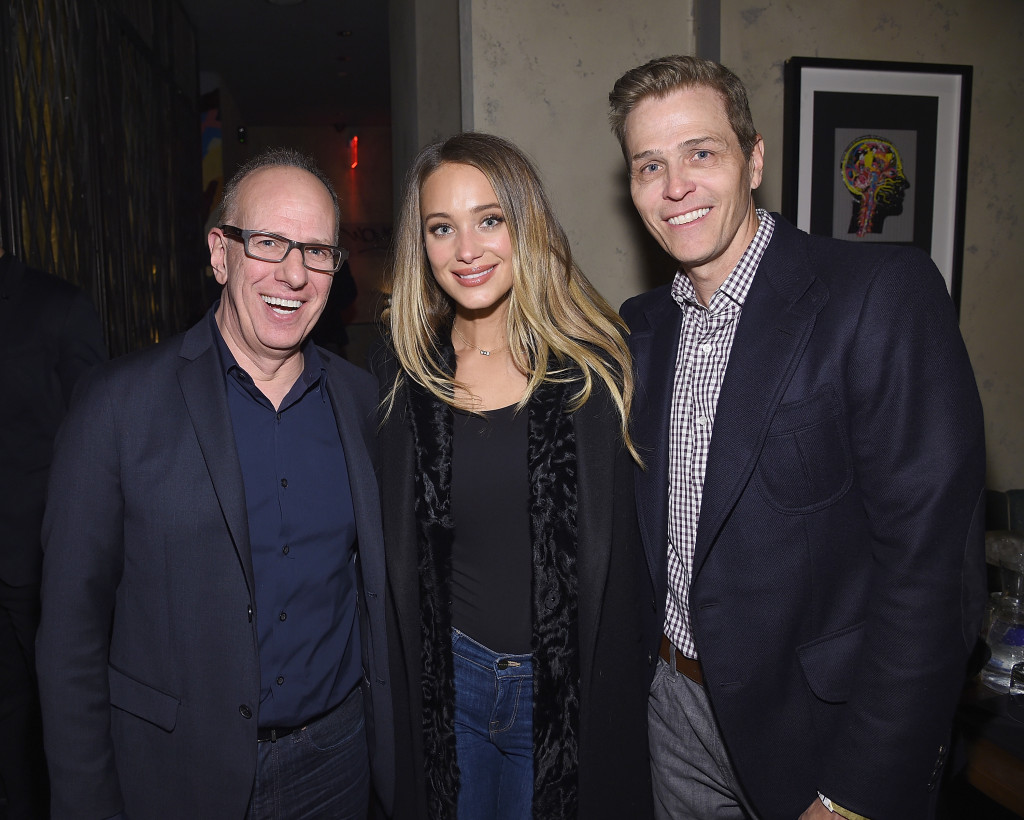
(311, 62)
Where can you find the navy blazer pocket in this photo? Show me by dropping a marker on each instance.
(828, 663)
(142, 700)
(805, 465)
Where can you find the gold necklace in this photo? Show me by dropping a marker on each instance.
(480, 349)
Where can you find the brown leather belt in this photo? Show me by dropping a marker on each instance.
(684, 665)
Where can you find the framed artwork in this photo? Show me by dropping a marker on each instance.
(877, 152)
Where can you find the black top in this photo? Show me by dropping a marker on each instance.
(491, 555)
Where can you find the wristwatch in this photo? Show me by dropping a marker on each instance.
(832, 807)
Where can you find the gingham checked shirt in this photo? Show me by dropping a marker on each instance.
(704, 345)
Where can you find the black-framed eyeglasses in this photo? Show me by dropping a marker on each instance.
(272, 247)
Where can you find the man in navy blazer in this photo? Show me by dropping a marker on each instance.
(812, 501)
(50, 336)
(212, 640)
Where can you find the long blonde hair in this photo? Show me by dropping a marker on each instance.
(554, 313)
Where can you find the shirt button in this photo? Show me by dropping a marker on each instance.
(701, 421)
(278, 416)
(286, 549)
(284, 482)
(706, 347)
(283, 616)
(280, 679)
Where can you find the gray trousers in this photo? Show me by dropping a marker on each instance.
(693, 778)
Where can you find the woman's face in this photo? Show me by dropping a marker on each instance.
(466, 237)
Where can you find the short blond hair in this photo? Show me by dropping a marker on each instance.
(662, 76)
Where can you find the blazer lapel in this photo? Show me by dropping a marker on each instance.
(402, 552)
(776, 323)
(202, 385)
(361, 469)
(654, 349)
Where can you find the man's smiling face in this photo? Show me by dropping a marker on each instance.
(690, 181)
(268, 308)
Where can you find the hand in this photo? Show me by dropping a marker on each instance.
(817, 811)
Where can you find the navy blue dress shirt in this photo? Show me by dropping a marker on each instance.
(302, 534)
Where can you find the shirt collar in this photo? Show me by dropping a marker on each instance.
(313, 369)
(737, 283)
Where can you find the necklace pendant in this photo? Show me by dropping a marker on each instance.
(485, 353)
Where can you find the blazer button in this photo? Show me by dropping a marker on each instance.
(933, 781)
(245, 711)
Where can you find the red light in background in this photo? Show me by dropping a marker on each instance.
(353, 151)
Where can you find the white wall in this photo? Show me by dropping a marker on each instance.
(425, 80)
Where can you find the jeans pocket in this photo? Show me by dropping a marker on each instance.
(345, 724)
(466, 650)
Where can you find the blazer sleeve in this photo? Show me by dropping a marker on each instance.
(81, 343)
(82, 565)
(918, 451)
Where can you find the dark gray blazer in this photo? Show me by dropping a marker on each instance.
(50, 336)
(838, 580)
(148, 661)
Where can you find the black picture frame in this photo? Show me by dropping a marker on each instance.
(877, 152)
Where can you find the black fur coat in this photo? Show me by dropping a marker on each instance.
(590, 591)
(551, 459)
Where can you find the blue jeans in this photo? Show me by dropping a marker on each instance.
(320, 771)
(493, 731)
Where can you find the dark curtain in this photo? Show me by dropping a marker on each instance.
(100, 177)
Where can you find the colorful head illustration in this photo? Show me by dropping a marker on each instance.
(873, 172)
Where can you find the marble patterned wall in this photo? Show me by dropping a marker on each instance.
(542, 70)
(757, 38)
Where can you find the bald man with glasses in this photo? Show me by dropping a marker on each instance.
(212, 640)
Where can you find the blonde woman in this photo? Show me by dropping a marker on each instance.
(515, 571)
